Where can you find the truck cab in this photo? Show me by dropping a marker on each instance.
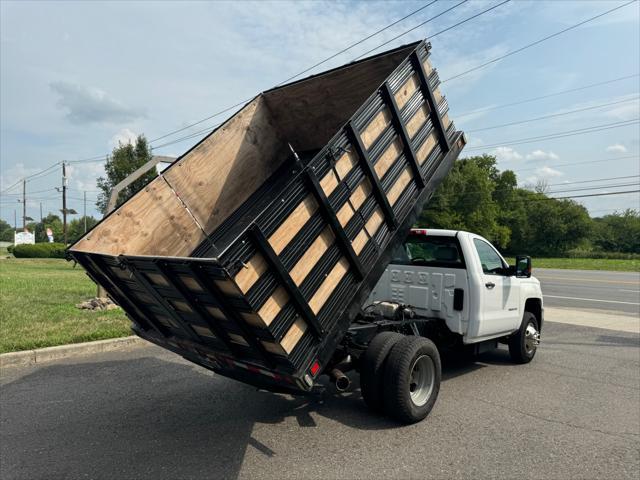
(462, 279)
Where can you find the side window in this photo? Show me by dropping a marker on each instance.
(490, 260)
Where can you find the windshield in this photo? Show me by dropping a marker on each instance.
(429, 251)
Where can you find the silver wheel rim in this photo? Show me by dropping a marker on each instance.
(422, 380)
(531, 339)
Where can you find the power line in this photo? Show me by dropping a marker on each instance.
(537, 42)
(554, 115)
(410, 30)
(596, 187)
(568, 133)
(594, 180)
(542, 97)
(581, 163)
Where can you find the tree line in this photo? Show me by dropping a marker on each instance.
(477, 197)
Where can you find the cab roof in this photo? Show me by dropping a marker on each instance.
(436, 232)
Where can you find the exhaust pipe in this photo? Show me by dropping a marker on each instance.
(341, 381)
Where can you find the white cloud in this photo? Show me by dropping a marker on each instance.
(542, 174)
(506, 154)
(542, 155)
(617, 148)
(124, 137)
(92, 105)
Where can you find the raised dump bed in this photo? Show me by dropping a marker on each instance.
(254, 251)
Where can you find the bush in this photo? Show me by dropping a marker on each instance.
(39, 250)
(10, 248)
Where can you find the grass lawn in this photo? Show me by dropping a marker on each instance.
(584, 264)
(37, 306)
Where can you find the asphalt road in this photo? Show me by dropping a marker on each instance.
(144, 413)
(591, 289)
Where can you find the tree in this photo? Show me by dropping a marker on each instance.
(75, 229)
(618, 232)
(125, 159)
(6, 232)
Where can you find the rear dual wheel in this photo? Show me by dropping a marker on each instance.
(401, 376)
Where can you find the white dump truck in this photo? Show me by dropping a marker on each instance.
(443, 289)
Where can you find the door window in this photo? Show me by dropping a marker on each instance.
(489, 258)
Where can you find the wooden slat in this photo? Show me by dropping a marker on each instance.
(203, 331)
(372, 131)
(446, 121)
(417, 120)
(313, 254)
(328, 285)
(152, 222)
(252, 319)
(216, 313)
(437, 95)
(227, 287)
(345, 213)
(426, 65)
(294, 222)
(356, 199)
(360, 241)
(222, 172)
(237, 339)
(374, 222)
(405, 92)
(329, 183)
(399, 186)
(273, 305)
(191, 283)
(293, 336)
(250, 272)
(425, 149)
(388, 157)
(157, 279)
(345, 164)
(181, 306)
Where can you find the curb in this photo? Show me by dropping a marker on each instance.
(48, 354)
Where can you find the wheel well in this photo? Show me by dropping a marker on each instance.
(534, 305)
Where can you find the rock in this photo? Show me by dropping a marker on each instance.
(97, 303)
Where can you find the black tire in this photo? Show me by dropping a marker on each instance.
(520, 347)
(400, 390)
(372, 368)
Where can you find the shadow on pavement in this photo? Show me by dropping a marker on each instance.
(150, 418)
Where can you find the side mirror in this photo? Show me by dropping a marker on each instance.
(523, 266)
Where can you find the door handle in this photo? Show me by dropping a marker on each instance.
(489, 285)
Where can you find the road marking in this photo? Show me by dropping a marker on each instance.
(587, 280)
(591, 300)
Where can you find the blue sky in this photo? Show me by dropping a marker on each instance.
(77, 77)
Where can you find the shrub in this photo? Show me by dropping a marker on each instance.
(39, 250)
(10, 248)
(600, 254)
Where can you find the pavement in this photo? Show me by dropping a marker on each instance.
(590, 289)
(142, 412)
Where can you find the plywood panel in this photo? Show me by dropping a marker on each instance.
(217, 176)
(294, 222)
(399, 186)
(403, 95)
(373, 130)
(388, 157)
(437, 95)
(203, 331)
(360, 194)
(426, 65)
(345, 213)
(216, 313)
(227, 287)
(152, 222)
(313, 254)
(417, 120)
(328, 285)
(446, 121)
(273, 305)
(252, 319)
(157, 279)
(250, 272)
(191, 283)
(425, 149)
(311, 111)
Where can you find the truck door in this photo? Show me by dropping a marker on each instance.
(500, 295)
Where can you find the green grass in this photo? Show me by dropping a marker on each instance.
(584, 264)
(37, 306)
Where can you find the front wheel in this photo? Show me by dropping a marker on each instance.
(412, 377)
(524, 343)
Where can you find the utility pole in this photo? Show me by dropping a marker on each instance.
(40, 212)
(15, 220)
(84, 211)
(64, 202)
(24, 205)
